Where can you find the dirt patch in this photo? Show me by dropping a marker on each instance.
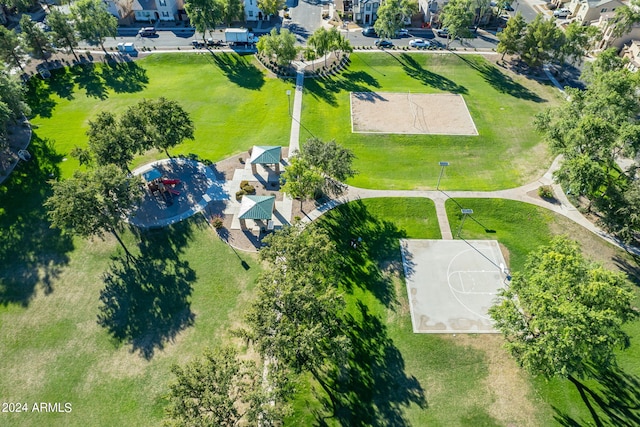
(512, 397)
(410, 113)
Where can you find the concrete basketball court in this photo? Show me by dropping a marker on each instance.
(451, 284)
(411, 113)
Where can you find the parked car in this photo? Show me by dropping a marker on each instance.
(508, 7)
(370, 32)
(419, 43)
(442, 32)
(402, 33)
(383, 43)
(561, 13)
(197, 43)
(212, 42)
(147, 32)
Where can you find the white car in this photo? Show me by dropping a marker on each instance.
(419, 43)
(562, 13)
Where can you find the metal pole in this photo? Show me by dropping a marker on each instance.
(465, 212)
(442, 166)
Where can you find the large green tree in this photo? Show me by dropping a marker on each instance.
(576, 42)
(38, 42)
(296, 318)
(10, 48)
(625, 17)
(333, 161)
(94, 202)
(482, 8)
(93, 21)
(606, 61)
(301, 181)
(167, 124)
(271, 7)
(563, 314)
(457, 16)
(541, 42)
(63, 30)
(204, 15)
(12, 103)
(592, 129)
(279, 44)
(220, 389)
(324, 41)
(392, 15)
(232, 10)
(512, 35)
(18, 5)
(109, 142)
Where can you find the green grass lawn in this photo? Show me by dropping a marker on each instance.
(231, 102)
(441, 379)
(79, 324)
(521, 228)
(507, 152)
(110, 358)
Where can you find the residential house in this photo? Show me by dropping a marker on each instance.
(252, 12)
(632, 53)
(156, 10)
(606, 26)
(121, 10)
(428, 9)
(345, 9)
(365, 11)
(589, 11)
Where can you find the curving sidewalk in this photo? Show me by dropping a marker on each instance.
(521, 194)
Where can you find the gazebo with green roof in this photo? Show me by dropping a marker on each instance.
(265, 155)
(259, 208)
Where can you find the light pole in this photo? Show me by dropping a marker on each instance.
(442, 166)
(465, 213)
(289, 100)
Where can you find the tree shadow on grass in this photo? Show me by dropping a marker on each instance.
(87, 77)
(32, 253)
(327, 88)
(615, 401)
(39, 92)
(374, 388)
(376, 252)
(426, 77)
(146, 301)
(239, 70)
(630, 265)
(500, 81)
(124, 77)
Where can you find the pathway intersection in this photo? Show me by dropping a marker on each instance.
(561, 206)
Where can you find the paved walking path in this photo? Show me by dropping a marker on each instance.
(561, 205)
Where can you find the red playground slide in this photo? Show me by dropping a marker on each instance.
(174, 192)
(170, 181)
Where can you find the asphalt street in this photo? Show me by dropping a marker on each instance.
(305, 18)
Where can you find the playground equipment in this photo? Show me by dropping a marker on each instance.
(164, 187)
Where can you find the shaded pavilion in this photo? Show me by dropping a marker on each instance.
(257, 208)
(265, 155)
